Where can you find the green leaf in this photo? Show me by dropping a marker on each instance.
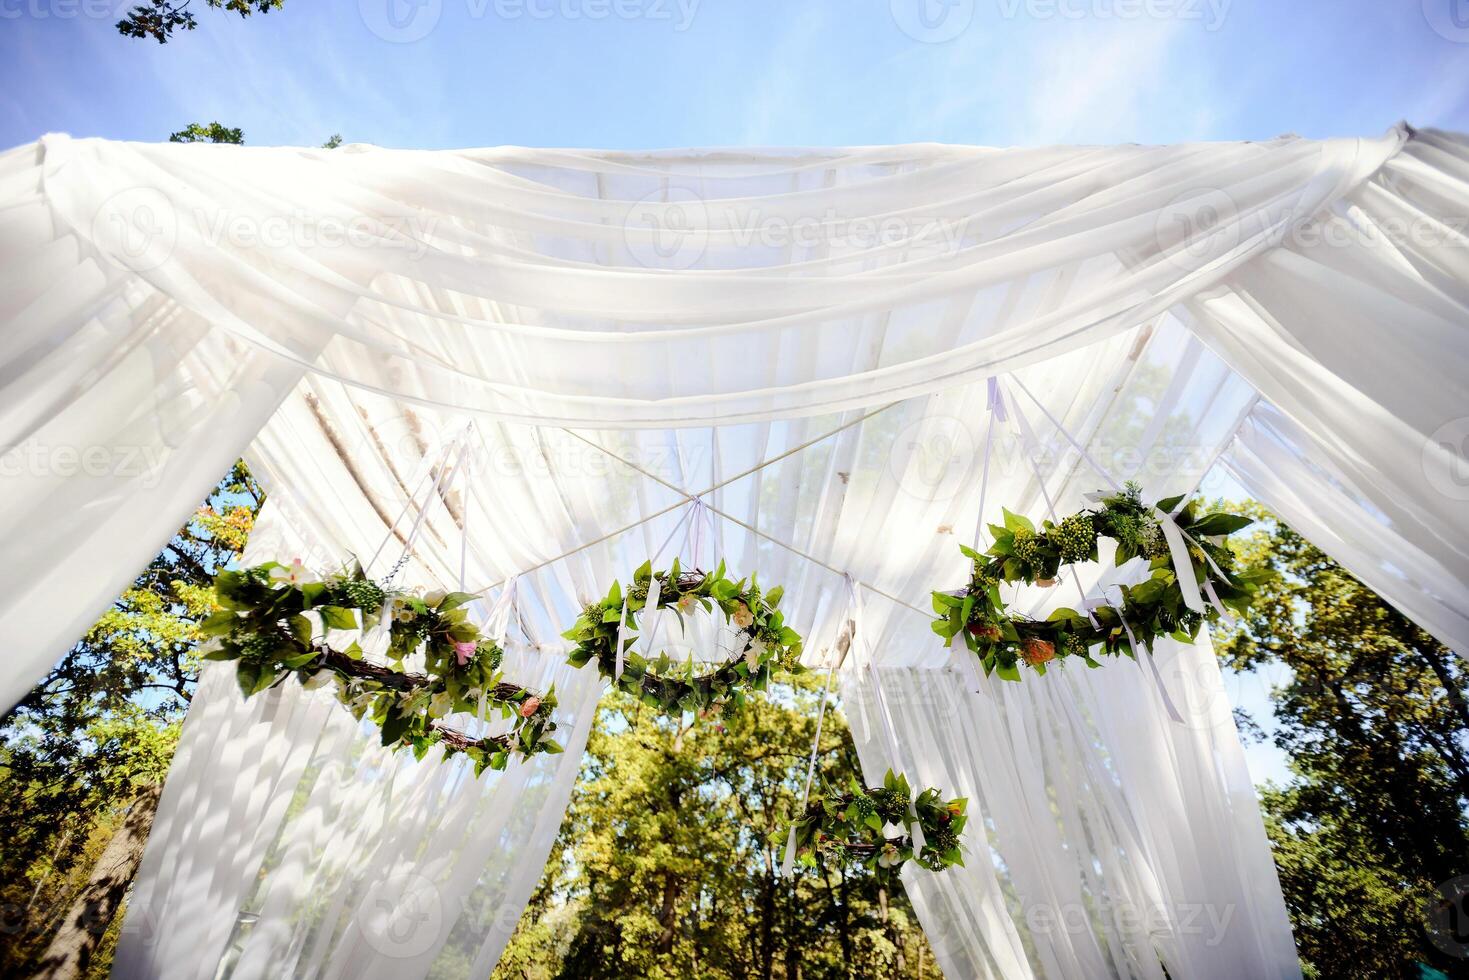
(337, 618)
(300, 628)
(1219, 524)
(1014, 522)
(219, 623)
(395, 726)
(247, 675)
(1167, 504)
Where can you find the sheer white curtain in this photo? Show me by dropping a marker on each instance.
(289, 843)
(801, 339)
(1106, 840)
(161, 285)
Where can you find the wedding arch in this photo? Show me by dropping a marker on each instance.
(518, 374)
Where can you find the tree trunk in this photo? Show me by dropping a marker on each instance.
(767, 918)
(668, 916)
(76, 941)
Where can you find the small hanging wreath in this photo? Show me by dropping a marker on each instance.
(1154, 608)
(853, 828)
(763, 643)
(276, 621)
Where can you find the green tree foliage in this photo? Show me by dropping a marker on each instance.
(159, 19)
(667, 862)
(1373, 715)
(216, 133)
(207, 133)
(104, 722)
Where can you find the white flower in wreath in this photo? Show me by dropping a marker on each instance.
(754, 652)
(440, 704)
(296, 573)
(889, 856)
(687, 603)
(742, 616)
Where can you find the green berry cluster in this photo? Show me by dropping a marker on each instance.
(1075, 537)
(1026, 547)
(941, 839)
(891, 805)
(358, 593)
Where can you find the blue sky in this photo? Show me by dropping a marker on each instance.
(655, 73)
(660, 73)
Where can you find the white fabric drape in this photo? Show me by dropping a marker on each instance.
(803, 338)
(1105, 838)
(289, 843)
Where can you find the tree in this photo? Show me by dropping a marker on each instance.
(1375, 717)
(83, 754)
(159, 19)
(216, 133)
(210, 133)
(667, 861)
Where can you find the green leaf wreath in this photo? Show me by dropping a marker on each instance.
(763, 642)
(1151, 609)
(851, 828)
(276, 621)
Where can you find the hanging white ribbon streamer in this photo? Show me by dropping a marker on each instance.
(1183, 566)
(375, 642)
(501, 611)
(852, 626)
(885, 717)
(996, 413)
(844, 644)
(464, 524)
(621, 640)
(1032, 452)
(651, 606)
(1142, 653)
(651, 615)
(788, 863)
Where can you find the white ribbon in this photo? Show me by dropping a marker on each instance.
(650, 608)
(500, 613)
(916, 830)
(885, 718)
(1142, 653)
(788, 863)
(651, 615)
(621, 639)
(1183, 566)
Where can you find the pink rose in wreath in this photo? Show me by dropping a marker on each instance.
(464, 651)
(528, 706)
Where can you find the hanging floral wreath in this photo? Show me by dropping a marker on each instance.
(277, 621)
(854, 828)
(763, 643)
(1154, 608)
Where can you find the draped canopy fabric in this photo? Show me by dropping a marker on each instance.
(803, 340)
